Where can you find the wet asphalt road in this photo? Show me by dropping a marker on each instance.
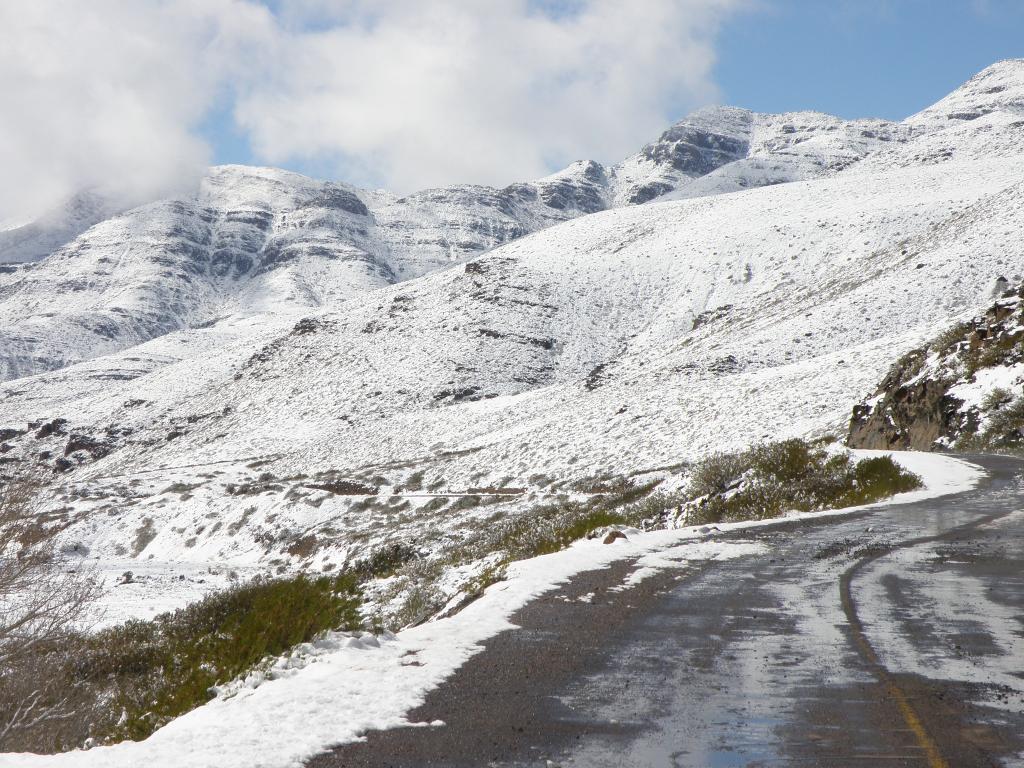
(893, 637)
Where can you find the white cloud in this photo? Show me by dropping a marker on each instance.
(414, 94)
(403, 93)
(107, 93)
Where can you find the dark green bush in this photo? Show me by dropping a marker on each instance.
(773, 478)
(156, 670)
(465, 502)
(415, 481)
(385, 561)
(717, 473)
(877, 478)
(438, 502)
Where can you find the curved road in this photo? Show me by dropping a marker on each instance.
(893, 637)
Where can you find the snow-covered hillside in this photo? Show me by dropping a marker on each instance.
(304, 333)
(30, 241)
(269, 243)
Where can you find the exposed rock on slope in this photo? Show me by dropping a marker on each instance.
(725, 149)
(965, 389)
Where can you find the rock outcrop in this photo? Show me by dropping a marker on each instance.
(958, 391)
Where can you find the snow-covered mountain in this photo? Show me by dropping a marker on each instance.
(258, 241)
(34, 240)
(211, 367)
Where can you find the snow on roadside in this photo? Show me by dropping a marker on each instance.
(352, 685)
(940, 474)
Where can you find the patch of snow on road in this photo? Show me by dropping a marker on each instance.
(951, 604)
(675, 558)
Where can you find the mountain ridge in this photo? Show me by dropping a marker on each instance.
(281, 234)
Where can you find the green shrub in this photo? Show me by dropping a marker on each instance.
(773, 478)
(946, 341)
(996, 398)
(717, 474)
(465, 502)
(1005, 425)
(385, 561)
(415, 481)
(438, 502)
(787, 461)
(153, 671)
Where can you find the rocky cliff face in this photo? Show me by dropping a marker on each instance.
(725, 149)
(963, 390)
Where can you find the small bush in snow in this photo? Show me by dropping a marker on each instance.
(950, 339)
(127, 681)
(773, 478)
(1004, 426)
(716, 474)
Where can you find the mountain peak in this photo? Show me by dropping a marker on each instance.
(997, 88)
(1014, 66)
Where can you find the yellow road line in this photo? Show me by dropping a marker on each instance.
(910, 716)
(935, 759)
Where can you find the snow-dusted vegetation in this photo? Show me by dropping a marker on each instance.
(334, 689)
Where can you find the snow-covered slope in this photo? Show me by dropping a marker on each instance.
(257, 241)
(993, 90)
(30, 241)
(617, 343)
(725, 149)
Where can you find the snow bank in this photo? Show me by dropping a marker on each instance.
(362, 684)
(941, 474)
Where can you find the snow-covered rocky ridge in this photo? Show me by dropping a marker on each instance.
(259, 242)
(302, 351)
(30, 241)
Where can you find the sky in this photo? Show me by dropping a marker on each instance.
(861, 58)
(135, 98)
